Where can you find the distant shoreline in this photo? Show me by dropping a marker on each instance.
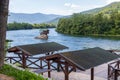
(25, 26)
(96, 36)
(29, 29)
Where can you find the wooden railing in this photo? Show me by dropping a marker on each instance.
(38, 63)
(30, 62)
(13, 60)
(114, 70)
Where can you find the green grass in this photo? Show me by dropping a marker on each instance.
(19, 74)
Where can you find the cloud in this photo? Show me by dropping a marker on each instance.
(58, 12)
(73, 6)
(110, 1)
(67, 4)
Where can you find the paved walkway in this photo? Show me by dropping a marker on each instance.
(100, 74)
(73, 76)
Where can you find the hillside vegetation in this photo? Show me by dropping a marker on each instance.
(104, 21)
(19, 26)
(106, 9)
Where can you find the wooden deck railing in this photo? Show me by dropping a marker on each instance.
(30, 62)
(114, 70)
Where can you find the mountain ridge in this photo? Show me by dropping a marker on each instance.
(31, 17)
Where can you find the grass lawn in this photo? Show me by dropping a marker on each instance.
(19, 74)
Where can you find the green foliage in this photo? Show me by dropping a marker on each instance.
(43, 25)
(7, 45)
(115, 6)
(18, 26)
(90, 24)
(20, 75)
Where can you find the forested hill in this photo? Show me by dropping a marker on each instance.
(106, 9)
(104, 22)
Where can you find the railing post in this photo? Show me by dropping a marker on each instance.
(108, 71)
(115, 76)
(58, 65)
(10, 60)
(23, 60)
(41, 64)
(66, 73)
(118, 64)
(92, 73)
(49, 75)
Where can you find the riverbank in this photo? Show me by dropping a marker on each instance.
(99, 35)
(103, 36)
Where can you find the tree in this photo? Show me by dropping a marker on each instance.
(3, 24)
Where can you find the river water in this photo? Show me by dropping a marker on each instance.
(21, 37)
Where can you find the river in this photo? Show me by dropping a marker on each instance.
(21, 37)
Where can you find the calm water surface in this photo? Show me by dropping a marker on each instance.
(21, 37)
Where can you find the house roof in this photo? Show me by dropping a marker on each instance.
(39, 48)
(88, 58)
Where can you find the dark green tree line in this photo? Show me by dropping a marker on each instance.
(90, 24)
(18, 26)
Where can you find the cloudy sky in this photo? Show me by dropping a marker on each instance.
(61, 7)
